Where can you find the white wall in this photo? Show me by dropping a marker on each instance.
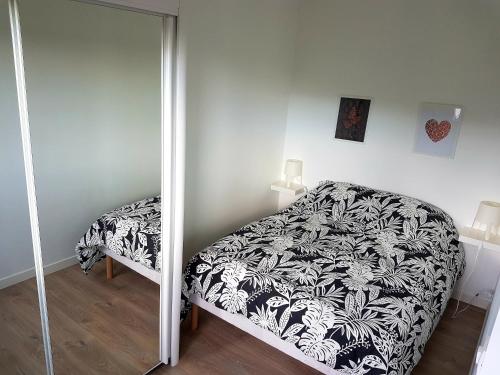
(401, 53)
(239, 62)
(93, 80)
(15, 238)
(242, 59)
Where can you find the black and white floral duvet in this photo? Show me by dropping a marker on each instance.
(132, 231)
(354, 277)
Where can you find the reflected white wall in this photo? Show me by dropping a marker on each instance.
(16, 252)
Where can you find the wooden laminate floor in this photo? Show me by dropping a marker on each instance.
(96, 326)
(101, 327)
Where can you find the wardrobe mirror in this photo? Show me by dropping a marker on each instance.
(93, 76)
(21, 343)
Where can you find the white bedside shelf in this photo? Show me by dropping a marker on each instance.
(475, 237)
(293, 189)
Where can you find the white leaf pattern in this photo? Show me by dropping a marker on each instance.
(132, 231)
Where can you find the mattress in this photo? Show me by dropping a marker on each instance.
(354, 277)
(132, 231)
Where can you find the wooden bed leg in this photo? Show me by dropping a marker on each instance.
(194, 317)
(109, 268)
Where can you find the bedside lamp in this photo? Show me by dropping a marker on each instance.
(488, 219)
(293, 169)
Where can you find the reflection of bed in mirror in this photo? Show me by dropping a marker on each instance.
(130, 235)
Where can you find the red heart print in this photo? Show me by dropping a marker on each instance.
(437, 130)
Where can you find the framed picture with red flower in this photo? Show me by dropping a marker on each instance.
(352, 119)
(438, 129)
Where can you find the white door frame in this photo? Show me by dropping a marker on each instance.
(179, 171)
(157, 7)
(22, 101)
(173, 131)
(167, 190)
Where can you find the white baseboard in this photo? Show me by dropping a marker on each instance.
(29, 273)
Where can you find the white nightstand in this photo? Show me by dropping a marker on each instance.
(475, 237)
(483, 286)
(287, 194)
(293, 189)
(487, 346)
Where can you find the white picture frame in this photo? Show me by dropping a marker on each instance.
(438, 129)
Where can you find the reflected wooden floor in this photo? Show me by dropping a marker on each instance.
(21, 348)
(101, 327)
(97, 326)
(220, 349)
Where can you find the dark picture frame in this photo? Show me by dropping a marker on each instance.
(352, 119)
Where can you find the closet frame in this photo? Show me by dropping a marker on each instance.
(173, 135)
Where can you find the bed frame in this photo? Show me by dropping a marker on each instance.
(262, 334)
(152, 275)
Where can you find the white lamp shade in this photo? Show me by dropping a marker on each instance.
(293, 168)
(488, 218)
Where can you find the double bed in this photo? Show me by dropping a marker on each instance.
(348, 279)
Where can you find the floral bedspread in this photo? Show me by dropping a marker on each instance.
(133, 231)
(356, 278)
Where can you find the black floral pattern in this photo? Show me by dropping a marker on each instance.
(133, 231)
(354, 277)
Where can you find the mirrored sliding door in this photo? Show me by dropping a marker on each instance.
(21, 343)
(94, 89)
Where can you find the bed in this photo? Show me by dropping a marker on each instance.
(130, 235)
(348, 279)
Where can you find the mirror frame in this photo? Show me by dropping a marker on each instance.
(173, 135)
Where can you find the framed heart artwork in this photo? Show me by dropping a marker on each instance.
(438, 129)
